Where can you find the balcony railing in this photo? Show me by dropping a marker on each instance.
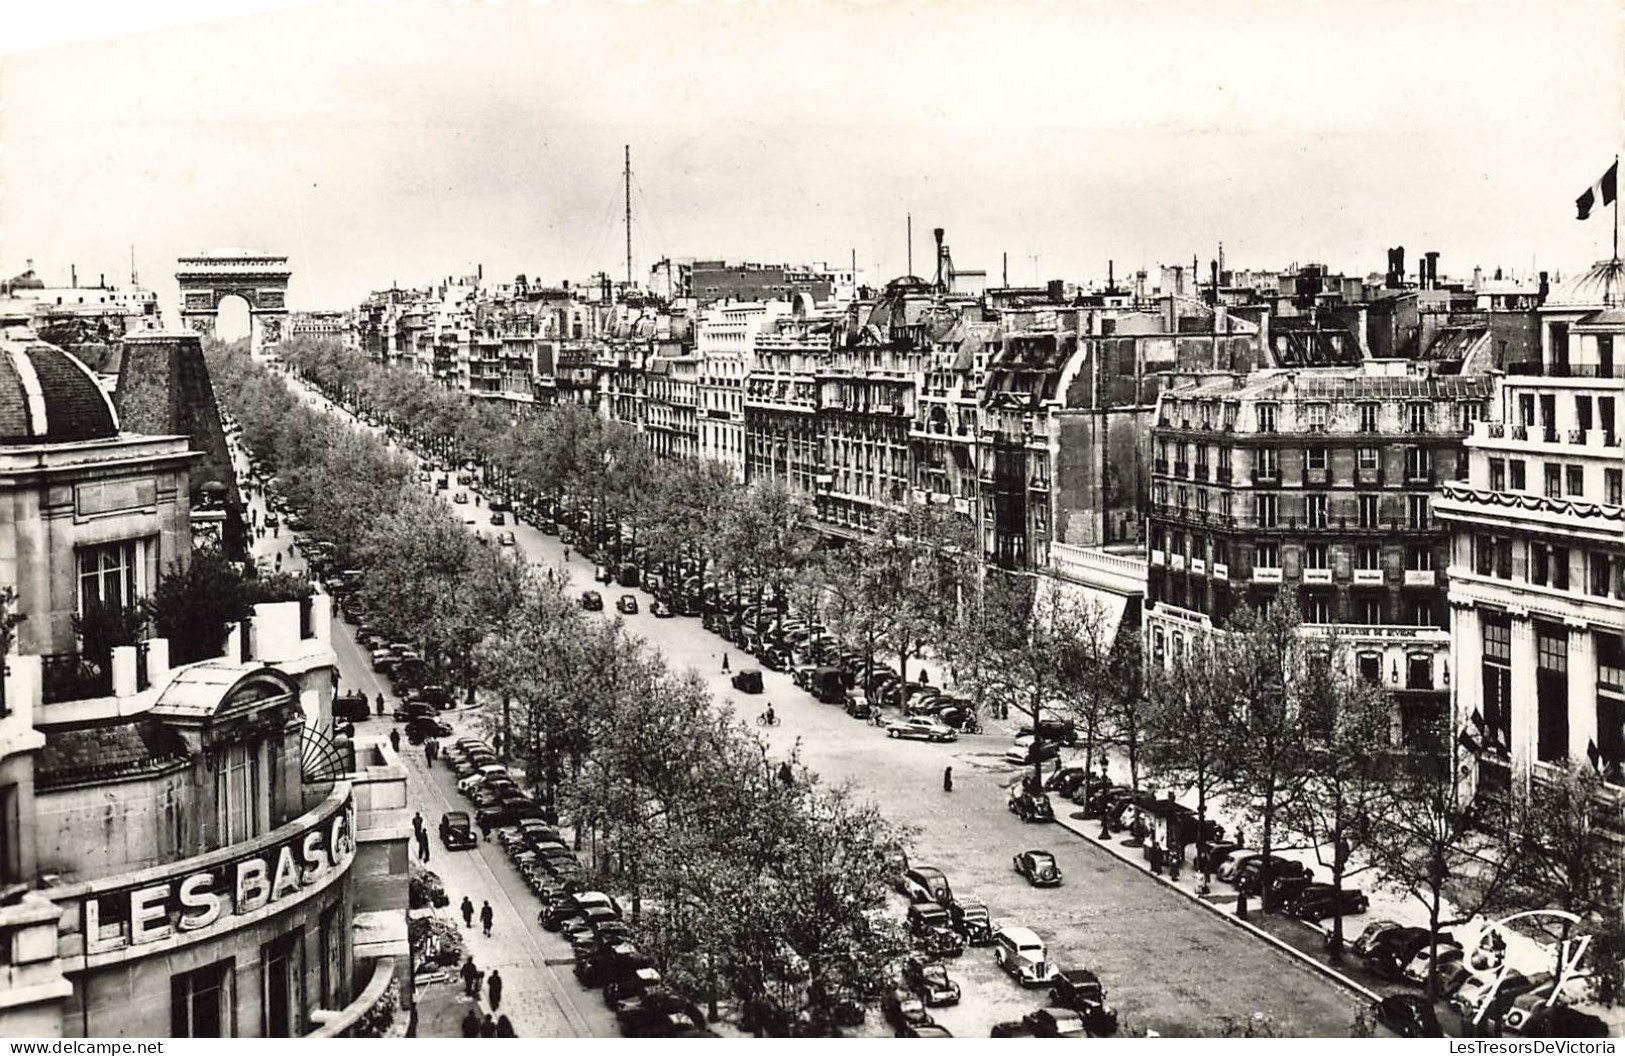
(1567, 370)
(71, 676)
(1181, 469)
(1224, 473)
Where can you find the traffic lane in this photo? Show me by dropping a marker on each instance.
(1168, 964)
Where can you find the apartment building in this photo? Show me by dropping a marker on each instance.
(725, 336)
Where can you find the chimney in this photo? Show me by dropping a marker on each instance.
(937, 233)
(1545, 287)
(1111, 276)
(73, 275)
(1478, 277)
(1396, 268)
(1432, 257)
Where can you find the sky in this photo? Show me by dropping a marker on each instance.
(378, 143)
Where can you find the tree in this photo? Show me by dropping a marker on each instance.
(9, 619)
(1262, 672)
(1442, 841)
(1564, 858)
(1349, 768)
(195, 605)
(1189, 725)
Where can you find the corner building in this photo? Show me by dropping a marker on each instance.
(186, 850)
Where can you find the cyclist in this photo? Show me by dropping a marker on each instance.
(768, 718)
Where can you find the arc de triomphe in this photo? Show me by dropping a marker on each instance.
(261, 279)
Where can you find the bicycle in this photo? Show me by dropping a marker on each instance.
(767, 718)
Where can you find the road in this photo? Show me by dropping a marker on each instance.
(1168, 965)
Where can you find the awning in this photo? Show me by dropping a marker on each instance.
(1103, 607)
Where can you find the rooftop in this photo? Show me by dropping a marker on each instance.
(48, 396)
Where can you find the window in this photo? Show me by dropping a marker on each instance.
(1370, 458)
(1554, 480)
(1317, 608)
(1368, 417)
(1611, 705)
(1369, 610)
(1560, 567)
(239, 793)
(1498, 474)
(1314, 510)
(1552, 692)
(201, 1004)
(110, 574)
(1368, 557)
(1416, 509)
(1266, 417)
(1470, 411)
(1368, 511)
(1610, 661)
(1371, 667)
(11, 836)
(1317, 458)
(1526, 409)
(1416, 417)
(1269, 463)
(1421, 612)
(1417, 463)
(1539, 564)
(1574, 480)
(1598, 568)
(1419, 558)
(1266, 555)
(1497, 676)
(1614, 487)
(282, 964)
(1264, 510)
(1519, 480)
(1317, 417)
(1314, 556)
(1419, 671)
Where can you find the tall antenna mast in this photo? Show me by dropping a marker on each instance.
(133, 281)
(910, 269)
(629, 216)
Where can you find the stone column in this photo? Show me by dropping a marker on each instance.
(1582, 688)
(1525, 700)
(1466, 663)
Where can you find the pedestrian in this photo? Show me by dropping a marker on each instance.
(567, 555)
(486, 916)
(471, 1023)
(417, 823)
(947, 779)
(725, 663)
(786, 775)
(428, 753)
(423, 846)
(488, 1029)
(470, 974)
(493, 986)
(276, 530)
(395, 739)
(412, 1023)
(380, 702)
(468, 912)
(505, 1028)
(925, 677)
(279, 561)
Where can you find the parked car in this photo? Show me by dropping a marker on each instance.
(627, 605)
(1561, 1021)
(506, 538)
(498, 518)
(932, 928)
(748, 680)
(423, 727)
(1319, 901)
(923, 728)
(1031, 754)
(1367, 939)
(1021, 952)
(1417, 969)
(927, 883)
(660, 610)
(663, 1015)
(1408, 1015)
(1529, 1006)
(929, 979)
(857, 706)
(1393, 950)
(971, 919)
(1029, 806)
(1487, 997)
(456, 831)
(1055, 1023)
(1038, 867)
(1080, 990)
(1250, 878)
(1062, 730)
(618, 994)
(592, 601)
(904, 1008)
(827, 685)
(351, 707)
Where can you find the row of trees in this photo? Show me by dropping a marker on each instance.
(751, 881)
(1264, 718)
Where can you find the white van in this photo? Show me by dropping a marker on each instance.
(1021, 952)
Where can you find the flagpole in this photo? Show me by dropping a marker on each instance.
(1616, 213)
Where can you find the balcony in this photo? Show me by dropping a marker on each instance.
(1159, 465)
(1320, 476)
(1200, 473)
(1496, 430)
(1267, 478)
(1223, 475)
(1182, 469)
(71, 676)
(1566, 370)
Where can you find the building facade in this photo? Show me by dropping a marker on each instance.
(1537, 569)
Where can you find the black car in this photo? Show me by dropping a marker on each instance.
(592, 601)
(1319, 901)
(904, 1008)
(858, 707)
(352, 707)
(508, 812)
(1408, 1015)
(619, 994)
(932, 929)
(1062, 730)
(456, 833)
(972, 920)
(1251, 877)
(1392, 950)
(413, 709)
(661, 1014)
(748, 681)
(1055, 1023)
(613, 964)
(626, 605)
(1080, 990)
(421, 729)
(1029, 807)
(1039, 867)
